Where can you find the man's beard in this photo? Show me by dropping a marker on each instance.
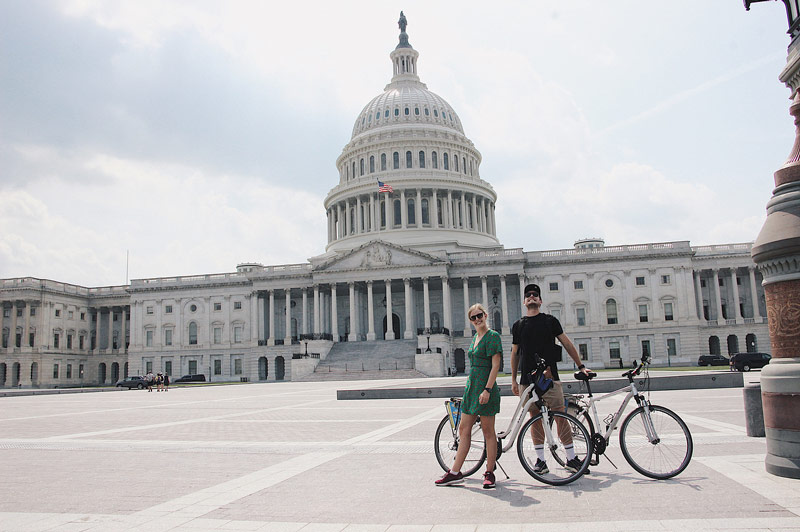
(533, 305)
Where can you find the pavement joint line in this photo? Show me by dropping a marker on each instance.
(176, 423)
(381, 433)
(719, 426)
(769, 487)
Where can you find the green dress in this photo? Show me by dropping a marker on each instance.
(480, 359)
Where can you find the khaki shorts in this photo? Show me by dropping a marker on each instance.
(554, 399)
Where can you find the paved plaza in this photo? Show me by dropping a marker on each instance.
(289, 457)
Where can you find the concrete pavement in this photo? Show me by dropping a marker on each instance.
(289, 457)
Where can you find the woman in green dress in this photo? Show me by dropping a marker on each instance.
(481, 398)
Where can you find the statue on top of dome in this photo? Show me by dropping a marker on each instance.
(402, 22)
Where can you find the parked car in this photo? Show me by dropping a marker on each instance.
(747, 361)
(190, 378)
(134, 381)
(713, 360)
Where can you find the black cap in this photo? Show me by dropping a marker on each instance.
(533, 288)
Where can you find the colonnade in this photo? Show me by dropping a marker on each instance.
(716, 309)
(419, 208)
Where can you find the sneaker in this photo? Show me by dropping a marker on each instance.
(488, 480)
(541, 467)
(574, 465)
(450, 479)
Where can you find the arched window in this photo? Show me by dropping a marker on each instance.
(427, 113)
(713, 345)
(361, 164)
(396, 160)
(422, 159)
(383, 214)
(352, 224)
(412, 214)
(192, 333)
(436, 113)
(733, 344)
(425, 215)
(371, 164)
(383, 162)
(398, 213)
(470, 167)
(416, 111)
(455, 163)
(434, 160)
(464, 164)
(363, 218)
(446, 161)
(406, 111)
(397, 112)
(386, 114)
(408, 159)
(611, 311)
(439, 212)
(752, 345)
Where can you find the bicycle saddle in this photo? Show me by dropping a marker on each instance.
(581, 376)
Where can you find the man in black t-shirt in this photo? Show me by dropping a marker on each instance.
(534, 337)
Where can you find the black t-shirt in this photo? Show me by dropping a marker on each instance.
(535, 337)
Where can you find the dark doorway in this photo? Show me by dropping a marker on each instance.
(395, 327)
(280, 370)
(461, 365)
(263, 370)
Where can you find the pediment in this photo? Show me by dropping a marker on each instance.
(378, 254)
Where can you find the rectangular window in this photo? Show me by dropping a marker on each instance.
(643, 313)
(69, 341)
(168, 367)
(665, 279)
(217, 335)
(217, 306)
(69, 371)
(149, 340)
(150, 310)
(80, 371)
(237, 334)
(149, 366)
(33, 311)
(640, 281)
(645, 347)
(237, 366)
(31, 337)
(722, 281)
(237, 305)
(6, 312)
(81, 342)
(114, 316)
(668, 311)
(70, 314)
(554, 287)
(738, 282)
(168, 309)
(55, 340)
(580, 315)
(168, 337)
(578, 285)
(193, 367)
(58, 313)
(55, 371)
(583, 351)
(83, 316)
(702, 283)
(672, 349)
(19, 312)
(613, 350)
(217, 367)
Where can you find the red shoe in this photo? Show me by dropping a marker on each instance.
(450, 479)
(488, 480)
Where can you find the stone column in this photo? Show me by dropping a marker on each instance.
(111, 330)
(426, 303)
(699, 296)
(523, 280)
(446, 303)
(467, 304)
(718, 296)
(271, 337)
(737, 313)
(655, 280)
(339, 223)
(372, 223)
(627, 305)
(403, 210)
(463, 210)
(260, 316)
(370, 313)
(754, 293)
(288, 338)
(12, 337)
(178, 321)
(504, 305)
(418, 209)
(123, 331)
(334, 314)
(776, 252)
(389, 324)
(449, 223)
(434, 208)
(99, 314)
(24, 341)
(352, 336)
(359, 216)
(409, 332)
(485, 294)
(474, 208)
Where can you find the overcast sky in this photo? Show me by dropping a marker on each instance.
(201, 134)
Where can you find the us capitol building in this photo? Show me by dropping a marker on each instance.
(412, 243)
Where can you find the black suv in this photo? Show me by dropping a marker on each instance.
(713, 360)
(746, 361)
(191, 378)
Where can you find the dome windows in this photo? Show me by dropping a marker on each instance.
(408, 159)
(406, 111)
(383, 162)
(386, 114)
(396, 160)
(371, 164)
(422, 159)
(397, 112)
(445, 160)
(378, 115)
(416, 111)
(427, 113)
(435, 113)
(434, 160)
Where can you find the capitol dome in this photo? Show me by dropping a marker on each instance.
(409, 174)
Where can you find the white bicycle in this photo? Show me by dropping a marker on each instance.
(568, 431)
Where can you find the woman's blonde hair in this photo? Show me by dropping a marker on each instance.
(477, 306)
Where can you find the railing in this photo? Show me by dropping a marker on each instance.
(471, 255)
(433, 330)
(723, 249)
(316, 336)
(635, 249)
(355, 367)
(210, 278)
(749, 321)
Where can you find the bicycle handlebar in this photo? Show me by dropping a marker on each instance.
(637, 368)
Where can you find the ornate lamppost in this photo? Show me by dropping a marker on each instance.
(776, 252)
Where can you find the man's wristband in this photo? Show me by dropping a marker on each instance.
(582, 366)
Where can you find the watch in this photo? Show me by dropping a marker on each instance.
(488, 390)
(582, 366)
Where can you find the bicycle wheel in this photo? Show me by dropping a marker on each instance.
(566, 429)
(445, 446)
(664, 457)
(574, 410)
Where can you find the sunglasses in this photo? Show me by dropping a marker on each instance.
(531, 294)
(476, 317)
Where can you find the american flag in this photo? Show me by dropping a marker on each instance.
(383, 187)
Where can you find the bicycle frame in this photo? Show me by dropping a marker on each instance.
(523, 407)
